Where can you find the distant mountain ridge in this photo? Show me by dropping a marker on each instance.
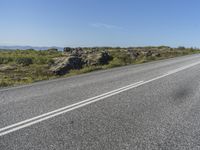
(30, 47)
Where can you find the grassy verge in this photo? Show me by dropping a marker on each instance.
(116, 62)
(27, 66)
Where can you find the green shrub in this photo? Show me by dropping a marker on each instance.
(25, 61)
(50, 61)
(121, 57)
(151, 58)
(41, 60)
(5, 60)
(5, 82)
(116, 62)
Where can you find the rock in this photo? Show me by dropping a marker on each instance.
(147, 53)
(62, 65)
(7, 67)
(134, 54)
(75, 62)
(59, 65)
(67, 49)
(77, 52)
(74, 51)
(76, 58)
(156, 55)
(100, 58)
(105, 58)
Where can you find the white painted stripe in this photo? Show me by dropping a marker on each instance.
(4, 132)
(182, 68)
(40, 118)
(60, 110)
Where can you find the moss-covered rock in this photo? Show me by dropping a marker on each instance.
(62, 65)
(97, 58)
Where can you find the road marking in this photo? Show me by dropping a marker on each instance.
(40, 118)
(61, 79)
(182, 68)
(37, 119)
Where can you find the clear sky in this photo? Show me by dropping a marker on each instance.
(100, 22)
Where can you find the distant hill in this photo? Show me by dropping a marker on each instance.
(29, 47)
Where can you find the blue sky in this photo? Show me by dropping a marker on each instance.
(100, 22)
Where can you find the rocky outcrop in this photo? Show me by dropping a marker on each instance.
(67, 49)
(134, 54)
(150, 53)
(62, 65)
(156, 54)
(98, 58)
(74, 51)
(77, 58)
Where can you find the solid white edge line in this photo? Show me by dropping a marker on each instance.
(182, 68)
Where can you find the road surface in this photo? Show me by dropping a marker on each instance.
(148, 106)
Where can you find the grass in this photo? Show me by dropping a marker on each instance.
(19, 67)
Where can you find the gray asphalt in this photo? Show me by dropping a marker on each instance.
(163, 114)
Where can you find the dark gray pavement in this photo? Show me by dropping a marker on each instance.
(162, 114)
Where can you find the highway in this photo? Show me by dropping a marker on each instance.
(154, 105)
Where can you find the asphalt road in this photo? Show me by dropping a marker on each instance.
(147, 106)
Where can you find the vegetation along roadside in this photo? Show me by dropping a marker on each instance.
(27, 66)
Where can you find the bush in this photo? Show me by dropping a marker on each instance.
(5, 60)
(50, 62)
(116, 62)
(52, 50)
(5, 82)
(121, 57)
(25, 61)
(41, 60)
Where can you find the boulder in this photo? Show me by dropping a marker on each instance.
(77, 52)
(98, 58)
(147, 53)
(156, 55)
(73, 51)
(67, 49)
(134, 54)
(62, 65)
(76, 59)
(75, 62)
